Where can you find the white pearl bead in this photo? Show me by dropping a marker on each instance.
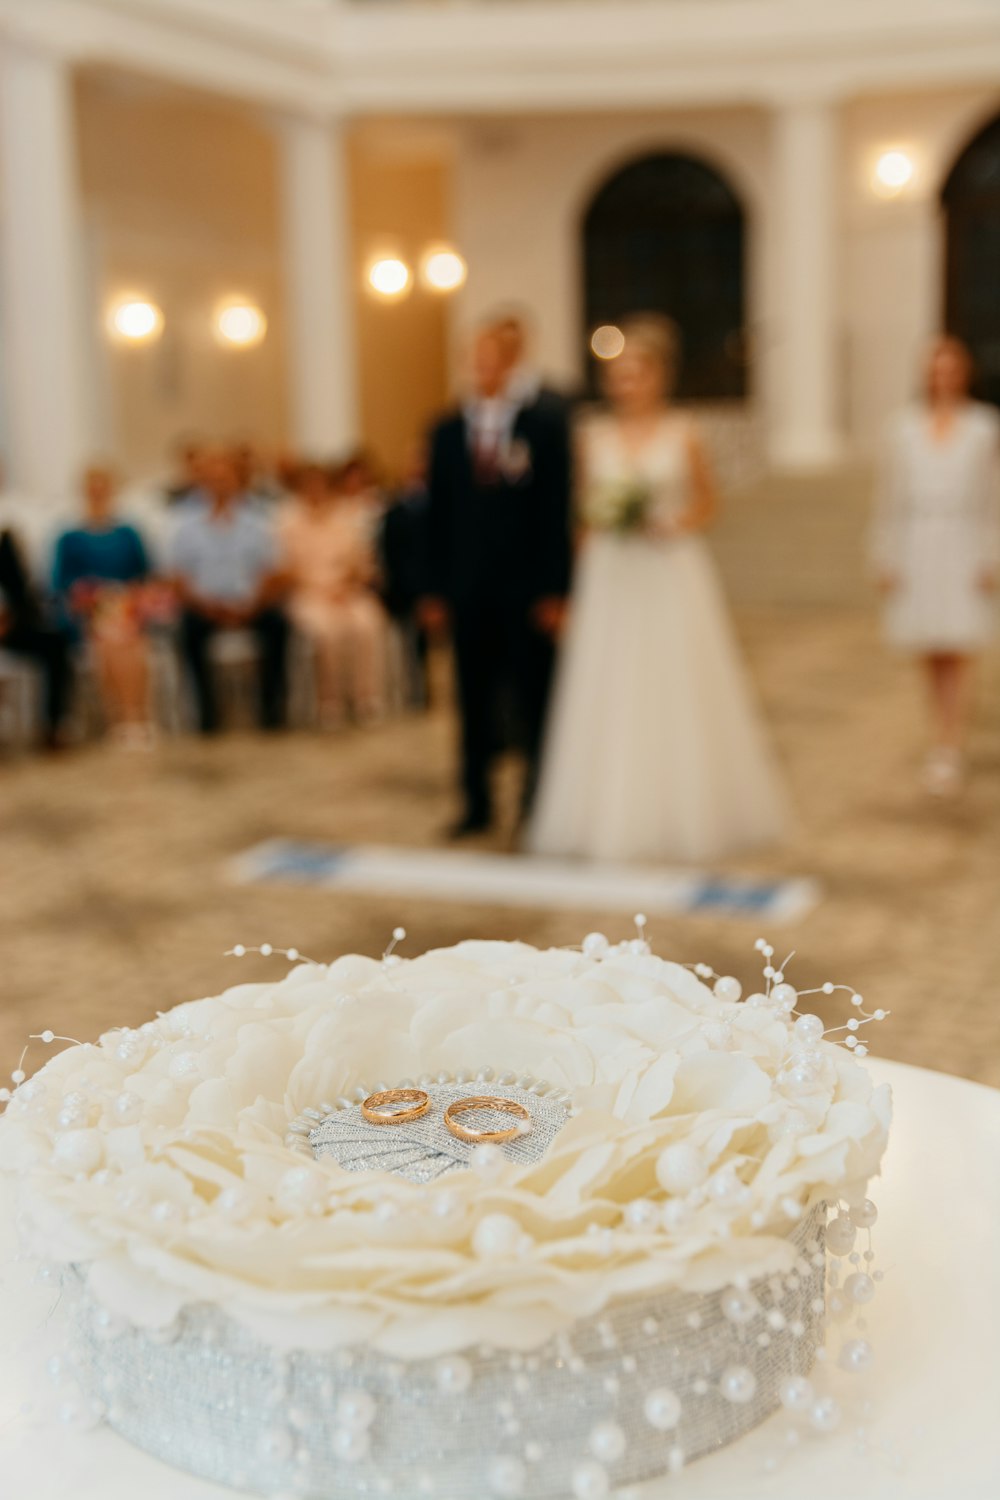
(266, 950)
(608, 1442)
(496, 1235)
(234, 1203)
(738, 1384)
(784, 996)
(728, 988)
(738, 1306)
(590, 1482)
(301, 1189)
(49, 1036)
(859, 1287)
(825, 1414)
(809, 1028)
(78, 1151)
(488, 1161)
(595, 945)
(840, 1235)
(399, 934)
(127, 1109)
(726, 1188)
(864, 1215)
(275, 1443)
(351, 1444)
(639, 946)
(184, 1065)
(675, 1214)
(796, 1393)
(453, 1375)
(507, 1477)
(641, 1216)
(446, 1205)
(680, 1168)
(356, 1409)
(856, 1355)
(758, 1001)
(662, 1409)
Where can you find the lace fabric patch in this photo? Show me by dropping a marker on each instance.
(211, 1400)
(424, 1150)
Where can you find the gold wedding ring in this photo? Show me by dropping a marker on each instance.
(480, 1137)
(375, 1111)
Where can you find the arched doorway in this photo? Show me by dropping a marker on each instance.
(666, 234)
(971, 201)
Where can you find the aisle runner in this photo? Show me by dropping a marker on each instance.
(511, 880)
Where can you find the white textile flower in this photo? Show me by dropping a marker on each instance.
(198, 1198)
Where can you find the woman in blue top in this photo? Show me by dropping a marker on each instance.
(99, 577)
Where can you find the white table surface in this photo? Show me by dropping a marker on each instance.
(934, 1424)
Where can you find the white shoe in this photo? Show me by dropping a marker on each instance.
(943, 773)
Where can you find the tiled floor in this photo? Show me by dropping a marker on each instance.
(113, 901)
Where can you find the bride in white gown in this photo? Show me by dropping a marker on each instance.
(655, 747)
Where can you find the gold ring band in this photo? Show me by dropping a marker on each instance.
(480, 1137)
(374, 1111)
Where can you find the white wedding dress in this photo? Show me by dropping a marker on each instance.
(655, 748)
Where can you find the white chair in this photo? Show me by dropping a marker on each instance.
(20, 691)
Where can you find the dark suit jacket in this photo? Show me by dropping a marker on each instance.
(502, 545)
(18, 591)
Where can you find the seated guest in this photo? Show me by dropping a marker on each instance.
(99, 579)
(226, 573)
(25, 632)
(186, 483)
(402, 546)
(331, 567)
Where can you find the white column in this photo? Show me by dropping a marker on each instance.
(44, 378)
(805, 427)
(318, 278)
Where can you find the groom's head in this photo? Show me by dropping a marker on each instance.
(489, 367)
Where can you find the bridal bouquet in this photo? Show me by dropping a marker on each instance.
(623, 506)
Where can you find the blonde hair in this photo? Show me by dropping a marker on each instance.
(658, 338)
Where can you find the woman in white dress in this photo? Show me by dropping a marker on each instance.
(937, 545)
(655, 748)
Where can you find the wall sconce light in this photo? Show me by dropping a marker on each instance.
(389, 277)
(134, 320)
(894, 172)
(239, 323)
(443, 269)
(607, 342)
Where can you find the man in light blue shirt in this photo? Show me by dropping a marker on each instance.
(226, 570)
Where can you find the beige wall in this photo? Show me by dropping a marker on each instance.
(522, 185)
(893, 263)
(180, 205)
(400, 187)
(523, 188)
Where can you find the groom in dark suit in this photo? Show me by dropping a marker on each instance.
(498, 565)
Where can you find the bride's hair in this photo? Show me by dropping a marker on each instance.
(658, 337)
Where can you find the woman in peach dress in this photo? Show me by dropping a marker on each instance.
(331, 567)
